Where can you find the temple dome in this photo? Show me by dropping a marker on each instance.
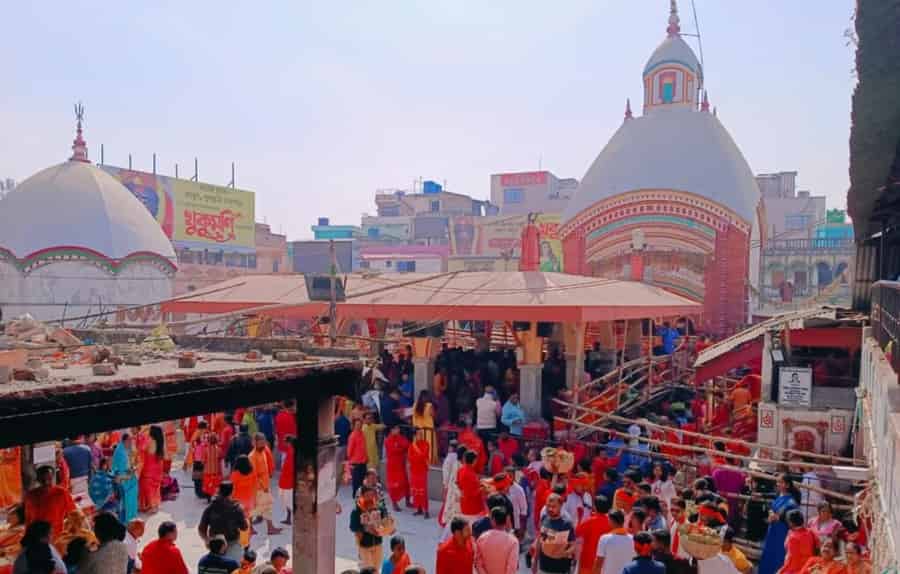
(675, 148)
(673, 50)
(78, 205)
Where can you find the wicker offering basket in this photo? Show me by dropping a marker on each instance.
(387, 527)
(699, 541)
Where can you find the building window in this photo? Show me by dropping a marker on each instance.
(363, 264)
(797, 222)
(515, 195)
(387, 263)
(435, 206)
(406, 266)
(276, 264)
(392, 211)
(373, 232)
(251, 261)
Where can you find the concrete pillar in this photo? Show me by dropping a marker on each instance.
(530, 390)
(423, 373)
(315, 487)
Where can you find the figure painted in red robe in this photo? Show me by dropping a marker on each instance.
(530, 259)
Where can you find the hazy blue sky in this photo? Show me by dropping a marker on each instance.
(321, 103)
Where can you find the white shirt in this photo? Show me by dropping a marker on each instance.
(132, 544)
(449, 468)
(520, 504)
(573, 503)
(617, 550)
(718, 564)
(664, 491)
(809, 500)
(486, 409)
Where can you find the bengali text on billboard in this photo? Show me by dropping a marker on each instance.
(212, 214)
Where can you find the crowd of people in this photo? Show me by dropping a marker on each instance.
(624, 499)
(85, 512)
(624, 504)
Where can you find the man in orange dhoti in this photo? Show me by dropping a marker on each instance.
(48, 502)
(395, 447)
(419, 455)
(263, 466)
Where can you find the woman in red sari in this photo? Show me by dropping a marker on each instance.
(395, 447)
(149, 493)
(470, 440)
(419, 455)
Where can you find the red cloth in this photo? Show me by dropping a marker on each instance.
(225, 438)
(599, 466)
(624, 500)
(453, 558)
(285, 425)
(541, 494)
(471, 441)
(590, 530)
(356, 448)
(51, 504)
(286, 478)
(530, 259)
(419, 454)
(496, 464)
(509, 447)
(162, 557)
(470, 500)
(395, 448)
(801, 546)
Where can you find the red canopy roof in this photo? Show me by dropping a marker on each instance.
(498, 296)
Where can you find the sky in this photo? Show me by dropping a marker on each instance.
(321, 103)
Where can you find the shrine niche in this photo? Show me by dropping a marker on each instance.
(807, 436)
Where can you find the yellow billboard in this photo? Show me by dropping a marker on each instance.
(213, 215)
(500, 237)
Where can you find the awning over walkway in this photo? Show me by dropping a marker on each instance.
(498, 296)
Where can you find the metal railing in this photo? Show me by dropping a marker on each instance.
(886, 319)
(815, 244)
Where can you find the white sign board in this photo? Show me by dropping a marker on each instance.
(795, 386)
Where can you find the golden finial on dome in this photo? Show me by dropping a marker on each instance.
(674, 28)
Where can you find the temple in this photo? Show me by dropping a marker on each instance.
(670, 200)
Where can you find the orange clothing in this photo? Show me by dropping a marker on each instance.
(453, 558)
(244, 489)
(801, 545)
(740, 398)
(263, 466)
(10, 476)
(624, 500)
(402, 564)
(470, 440)
(49, 503)
(815, 565)
(356, 448)
(471, 502)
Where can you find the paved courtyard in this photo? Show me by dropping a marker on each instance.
(421, 535)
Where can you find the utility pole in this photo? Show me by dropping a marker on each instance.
(332, 306)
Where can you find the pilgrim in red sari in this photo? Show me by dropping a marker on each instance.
(471, 501)
(395, 447)
(419, 455)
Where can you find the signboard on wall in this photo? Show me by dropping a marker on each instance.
(795, 386)
(501, 237)
(199, 215)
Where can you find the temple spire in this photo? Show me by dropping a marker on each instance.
(79, 146)
(628, 115)
(674, 28)
(704, 107)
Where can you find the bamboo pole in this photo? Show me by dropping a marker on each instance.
(747, 471)
(727, 440)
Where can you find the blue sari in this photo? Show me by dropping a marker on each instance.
(127, 489)
(773, 548)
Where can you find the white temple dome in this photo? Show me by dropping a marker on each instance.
(677, 149)
(673, 50)
(78, 205)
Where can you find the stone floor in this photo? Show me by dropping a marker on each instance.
(421, 535)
